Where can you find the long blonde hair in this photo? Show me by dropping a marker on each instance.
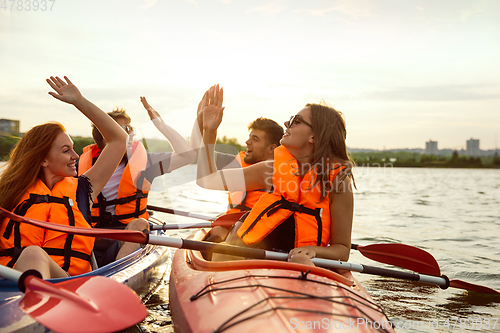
(25, 163)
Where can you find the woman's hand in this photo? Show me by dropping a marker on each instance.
(212, 108)
(151, 112)
(203, 103)
(304, 251)
(66, 91)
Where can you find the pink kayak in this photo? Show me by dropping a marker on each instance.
(267, 296)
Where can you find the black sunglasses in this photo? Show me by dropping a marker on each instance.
(297, 119)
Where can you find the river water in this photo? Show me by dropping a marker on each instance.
(454, 214)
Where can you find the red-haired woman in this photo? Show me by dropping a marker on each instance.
(39, 182)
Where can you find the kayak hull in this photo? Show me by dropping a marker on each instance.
(267, 296)
(142, 271)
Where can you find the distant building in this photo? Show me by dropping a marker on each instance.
(431, 148)
(9, 126)
(473, 148)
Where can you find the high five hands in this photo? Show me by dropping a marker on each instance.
(211, 107)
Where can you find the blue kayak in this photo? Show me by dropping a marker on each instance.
(142, 271)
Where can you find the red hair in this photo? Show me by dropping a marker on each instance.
(25, 163)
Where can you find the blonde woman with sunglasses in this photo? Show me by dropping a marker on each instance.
(308, 209)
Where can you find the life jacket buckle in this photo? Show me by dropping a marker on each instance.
(295, 207)
(42, 198)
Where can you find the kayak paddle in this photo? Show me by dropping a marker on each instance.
(225, 221)
(229, 217)
(399, 255)
(139, 237)
(79, 305)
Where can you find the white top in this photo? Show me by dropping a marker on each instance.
(110, 190)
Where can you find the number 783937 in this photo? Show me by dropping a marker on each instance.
(27, 5)
(473, 323)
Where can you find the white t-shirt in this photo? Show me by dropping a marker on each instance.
(110, 190)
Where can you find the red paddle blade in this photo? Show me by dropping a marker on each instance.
(401, 255)
(227, 220)
(473, 287)
(87, 304)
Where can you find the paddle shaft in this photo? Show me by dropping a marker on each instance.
(263, 254)
(176, 226)
(226, 220)
(10, 273)
(139, 237)
(180, 212)
(399, 255)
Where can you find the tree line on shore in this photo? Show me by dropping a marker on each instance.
(369, 159)
(408, 159)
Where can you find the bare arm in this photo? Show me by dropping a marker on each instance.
(341, 214)
(182, 154)
(197, 132)
(114, 135)
(240, 179)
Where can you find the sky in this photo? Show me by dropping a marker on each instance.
(402, 72)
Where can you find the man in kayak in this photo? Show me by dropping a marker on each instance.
(308, 211)
(123, 201)
(265, 135)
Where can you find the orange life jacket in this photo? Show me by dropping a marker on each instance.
(291, 195)
(239, 200)
(131, 201)
(71, 252)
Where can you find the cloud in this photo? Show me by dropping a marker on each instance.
(434, 93)
(346, 8)
(270, 8)
(148, 3)
(192, 2)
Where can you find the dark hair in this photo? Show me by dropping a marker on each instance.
(274, 131)
(115, 114)
(330, 150)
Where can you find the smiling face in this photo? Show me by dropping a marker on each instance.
(60, 161)
(258, 149)
(299, 136)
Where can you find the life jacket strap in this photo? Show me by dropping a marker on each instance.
(13, 252)
(22, 208)
(103, 203)
(63, 252)
(294, 207)
(110, 220)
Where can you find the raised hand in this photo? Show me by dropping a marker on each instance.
(213, 110)
(66, 91)
(199, 112)
(151, 112)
